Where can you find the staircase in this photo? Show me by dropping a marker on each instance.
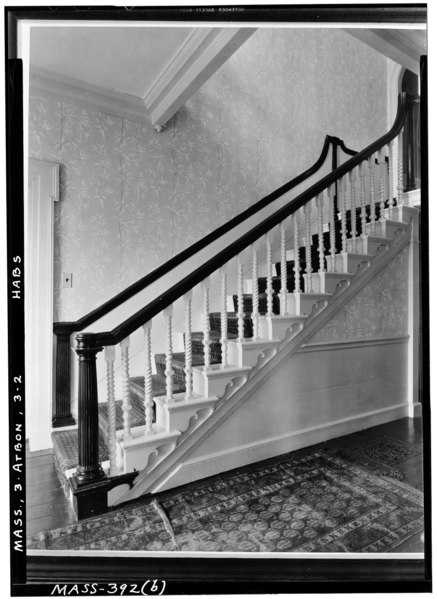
(272, 290)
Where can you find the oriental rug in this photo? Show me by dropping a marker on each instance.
(314, 503)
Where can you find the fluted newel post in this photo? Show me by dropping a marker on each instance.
(382, 174)
(89, 468)
(148, 393)
(224, 316)
(168, 315)
(284, 290)
(269, 289)
(319, 203)
(255, 293)
(296, 252)
(390, 180)
(342, 192)
(110, 357)
(352, 187)
(372, 193)
(61, 415)
(308, 265)
(332, 217)
(188, 297)
(362, 175)
(240, 300)
(126, 406)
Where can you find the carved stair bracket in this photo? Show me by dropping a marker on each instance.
(276, 327)
(212, 381)
(176, 416)
(137, 450)
(246, 353)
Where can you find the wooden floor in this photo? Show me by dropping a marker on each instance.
(48, 508)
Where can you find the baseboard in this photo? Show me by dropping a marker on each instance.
(243, 455)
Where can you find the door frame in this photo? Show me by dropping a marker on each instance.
(42, 193)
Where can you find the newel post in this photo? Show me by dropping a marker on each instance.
(61, 415)
(89, 468)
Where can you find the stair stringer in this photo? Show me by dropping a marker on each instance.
(239, 392)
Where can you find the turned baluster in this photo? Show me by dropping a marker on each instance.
(332, 221)
(224, 317)
(188, 347)
(309, 268)
(168, 316)
(363, 175)
(296, 252)
(148, 394)
(320, 199)
(269, 289)
(284, 289)
(382, 175)
(400, 197)
(372, 194)
(125, 390)
(342, 192)
(240, 299)
(110, 382)
(255, 293)
(352, 187)
(390, 180)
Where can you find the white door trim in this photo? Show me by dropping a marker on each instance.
(42, 192)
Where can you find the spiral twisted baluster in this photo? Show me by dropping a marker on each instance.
(255, 293)
(331, 194)
(363, 174)
(319, 203)
(269, 289)
(188, 347)
(390, 180)
(110, 357)
(296, 252)
(168, 315)
(148, 393)
(372, 194)
(206, 324)
(352, 188)
(284, 289)
(224, 318)
(382, 173)
(125, 390)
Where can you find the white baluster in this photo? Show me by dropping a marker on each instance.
(309, 268)
(269, 289)
(224, 318)
(400, 196)
(206, 323)
(319, 203)
(255, 293)
(240, 299)
(382, 173)
(284, 289)
(372, 193)
(342, 195)
(125, 390)
(363, 176)
(352, 187)
(188, 347)
(168, 315)
(110, 357)
(332, 219)
(148, 393)
(390, 180)
(296, 252)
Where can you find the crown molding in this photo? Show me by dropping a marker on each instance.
(204, 51)
(62, 87)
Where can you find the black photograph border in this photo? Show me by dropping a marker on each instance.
(38, 576)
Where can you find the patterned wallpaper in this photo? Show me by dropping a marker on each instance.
(378, 310)
(132, 198)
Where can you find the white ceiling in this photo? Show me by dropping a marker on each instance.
(123, 59)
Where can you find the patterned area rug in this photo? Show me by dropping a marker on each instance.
(317, 503)
(391, 451)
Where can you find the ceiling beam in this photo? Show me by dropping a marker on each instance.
(204, 51)
(396, 45)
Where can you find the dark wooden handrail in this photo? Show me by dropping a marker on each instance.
(193, 279)
(129, 292)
